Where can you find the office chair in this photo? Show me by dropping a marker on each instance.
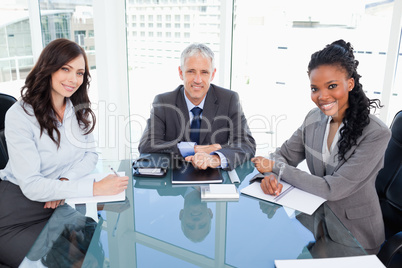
(5, 103)
(389, 186)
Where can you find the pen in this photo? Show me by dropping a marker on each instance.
(281, 168)
(276, 198)
(115, 173)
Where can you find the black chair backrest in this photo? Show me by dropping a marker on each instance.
(6, 101)
(389, 179)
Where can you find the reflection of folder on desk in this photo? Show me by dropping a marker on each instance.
(186, 173)
(150, 183)
(151, 165)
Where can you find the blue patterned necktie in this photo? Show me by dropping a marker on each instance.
(195, 125)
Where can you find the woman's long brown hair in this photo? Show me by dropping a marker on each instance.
(38, 85)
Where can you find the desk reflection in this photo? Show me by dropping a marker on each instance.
(65, 240)
(195, 217)
(162, 225)
(331, 240)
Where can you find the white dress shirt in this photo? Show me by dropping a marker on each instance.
(36, 164)
(187, 148)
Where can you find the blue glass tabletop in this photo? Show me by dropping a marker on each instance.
(165, 225)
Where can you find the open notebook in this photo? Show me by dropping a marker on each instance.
(98, 199)
(290, 197)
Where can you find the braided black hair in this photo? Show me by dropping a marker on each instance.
(340, 53)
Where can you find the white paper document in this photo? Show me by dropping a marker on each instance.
(101, 198)
(366, 261)
(290, 197)
(219, 192)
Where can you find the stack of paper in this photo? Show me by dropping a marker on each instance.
(151, 171)
(219, 192)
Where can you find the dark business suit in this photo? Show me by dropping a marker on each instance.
(348, 185)
(223, 122)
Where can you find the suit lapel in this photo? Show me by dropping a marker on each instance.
(208, 113)
(183, 111)
(333, 162)
(317, 143)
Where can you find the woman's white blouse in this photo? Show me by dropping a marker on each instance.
(36, 164)
(325, 151)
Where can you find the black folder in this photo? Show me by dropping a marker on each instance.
(186, 173)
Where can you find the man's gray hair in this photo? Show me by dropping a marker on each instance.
(194, 49)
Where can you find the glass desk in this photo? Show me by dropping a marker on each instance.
(160, 225)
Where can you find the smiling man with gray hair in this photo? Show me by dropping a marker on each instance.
(198, 120)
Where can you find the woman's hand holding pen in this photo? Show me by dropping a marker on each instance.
(263, 164)
(110, 185)
(270, 185)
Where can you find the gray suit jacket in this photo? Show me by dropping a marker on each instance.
(223, 122)
(349, 186)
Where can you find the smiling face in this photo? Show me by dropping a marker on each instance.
(330, 88)
(67, 80)
(197, 74)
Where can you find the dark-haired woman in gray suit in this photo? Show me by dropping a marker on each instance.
(342, 143)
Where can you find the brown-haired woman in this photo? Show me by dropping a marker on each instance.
(51, 146)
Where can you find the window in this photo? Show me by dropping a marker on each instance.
(79, 37)
(143, 64)
(272, 44)
(16, 52)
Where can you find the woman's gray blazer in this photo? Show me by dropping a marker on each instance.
(348, 185)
